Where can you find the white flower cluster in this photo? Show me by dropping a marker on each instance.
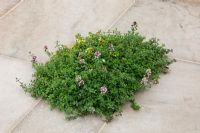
(145, 79)
(91, 109)
(103, 89)
(148, 73)
(82, 61)
(79, 80)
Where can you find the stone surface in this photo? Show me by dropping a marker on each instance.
(36, 23)
(191, 1)
(6, 5)
(13, 101)
(29, 27)
(43, 120)
(175, 24)
(172, 106)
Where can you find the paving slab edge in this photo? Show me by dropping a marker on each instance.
(102, 127)
(11, 9)
(121, 15)
(188, 61)
(23, 117)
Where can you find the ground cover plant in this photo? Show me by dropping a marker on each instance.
(100, 73)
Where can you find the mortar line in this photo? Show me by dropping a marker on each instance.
(121, 15)
(188, 61)
(12, 57)
(23, 117)
(102, 127)
(12, 9)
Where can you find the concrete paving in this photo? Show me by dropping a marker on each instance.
(176, 24)
(14, 103)
(6, 5)
(172, 106)
(29, 27)
(36, 23)
(191, 1)
(42, 120)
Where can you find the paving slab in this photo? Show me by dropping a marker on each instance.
(29, 27)
(177, 24)
(6, 5)
(43, 120)
(191, 1)
(14, 103)
(172, 106)
(35, 23)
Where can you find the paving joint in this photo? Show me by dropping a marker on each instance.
(102, 127)
(188, 61)
(121, 15)
(11, 9)
(23, 117)
(7, 56)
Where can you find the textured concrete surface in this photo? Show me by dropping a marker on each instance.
(36, 23)
(176, 24)
(191, 1)
(13, 101)
(42, 120)
(29, 27)
(172, 106)
(6, 5)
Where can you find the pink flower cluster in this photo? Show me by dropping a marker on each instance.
(34, 58)
(110, 46)
(97, 54)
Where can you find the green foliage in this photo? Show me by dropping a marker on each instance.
(100, 73)
(135, 106)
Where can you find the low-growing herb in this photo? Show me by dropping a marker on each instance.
(100, 73)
